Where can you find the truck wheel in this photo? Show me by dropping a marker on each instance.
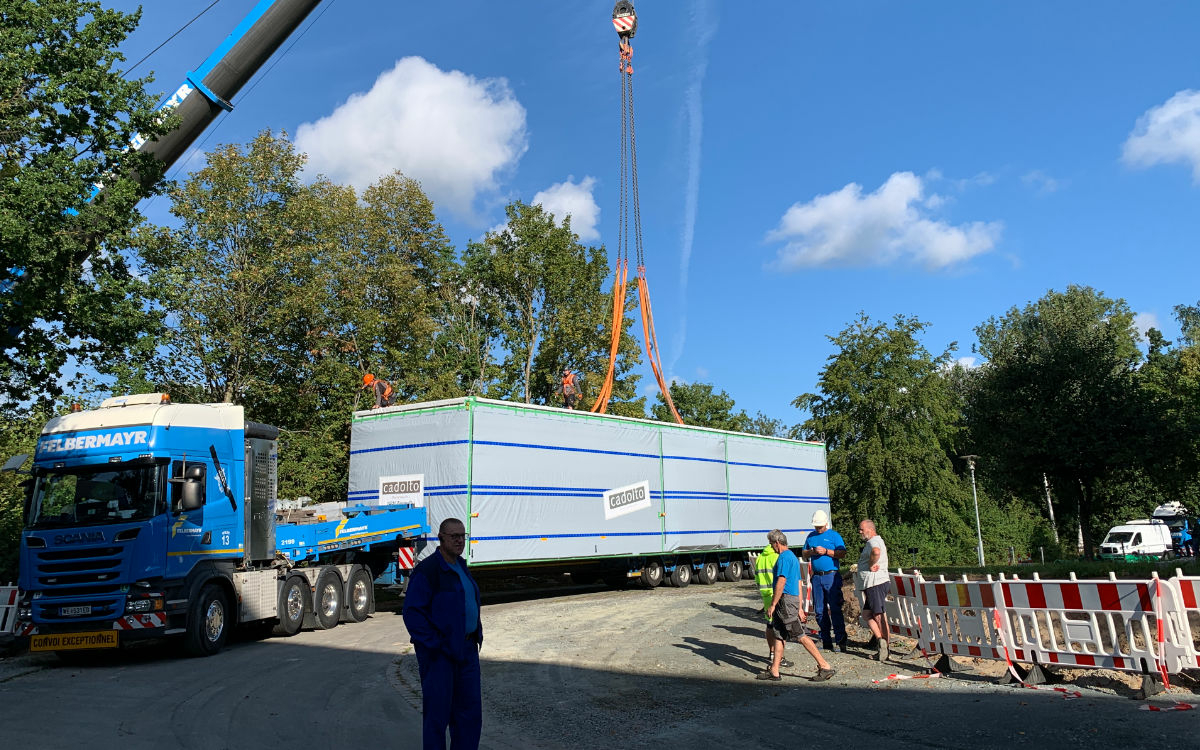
(733, 571)
(682, 575)
(208, 622)
(293, 605)
(709, 573)
(329, 600)
(359, 605)
(652, 574)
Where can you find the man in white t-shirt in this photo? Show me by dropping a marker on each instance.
(874, 582)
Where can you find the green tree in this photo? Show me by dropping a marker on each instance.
(701, 405)
(890, 420)
(279, 296)
(546, 294)
(18, 434)
(1057, 396)
(66, 119)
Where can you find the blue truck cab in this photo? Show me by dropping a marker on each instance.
(146, 518)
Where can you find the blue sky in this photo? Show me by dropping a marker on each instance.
(798, 162)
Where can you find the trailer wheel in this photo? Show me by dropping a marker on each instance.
(709, 572)
(682, 575)
(328, 606)
(652, 574)
(733, 571)
(359, 605)
(293, 605)
(208, 622)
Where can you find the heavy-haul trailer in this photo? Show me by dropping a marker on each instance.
(147, 519)
(543, 489)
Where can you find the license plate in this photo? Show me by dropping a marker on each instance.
(72, 641)
(74, 611)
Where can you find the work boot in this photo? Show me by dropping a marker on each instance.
(843, 646)
(884, 652)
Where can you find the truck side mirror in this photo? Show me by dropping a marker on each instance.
(187, 486)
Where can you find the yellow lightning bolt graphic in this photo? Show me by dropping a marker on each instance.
(338, 531)
(175, 527)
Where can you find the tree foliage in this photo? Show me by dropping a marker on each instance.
(1057, 397)
(701, 405)
(890, 421)
(66, 119)
(543, 290)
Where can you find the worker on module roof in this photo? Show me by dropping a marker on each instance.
(382, 389)
(570, 388)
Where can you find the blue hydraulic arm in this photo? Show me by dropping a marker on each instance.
(209, 90)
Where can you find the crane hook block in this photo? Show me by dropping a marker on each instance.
(624, 19)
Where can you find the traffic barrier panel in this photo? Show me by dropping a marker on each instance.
(903, 610)
(1186, 620)
(9, 596)
(1106, 624)
(959, 620)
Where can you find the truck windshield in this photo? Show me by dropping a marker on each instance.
(1119, 537)
(91, 495)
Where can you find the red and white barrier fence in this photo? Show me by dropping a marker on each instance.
(1143, 626)
(8, 609)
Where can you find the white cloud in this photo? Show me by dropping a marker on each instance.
(1167, 134)
(891, 225)
(1144, 321)
(573, 199)
(454, 133)
(1040, 182)
(967, 362)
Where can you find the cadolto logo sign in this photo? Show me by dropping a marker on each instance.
(624, 500)
(405, 489)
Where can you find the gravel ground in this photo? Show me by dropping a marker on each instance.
(639, 668)
(585, 667)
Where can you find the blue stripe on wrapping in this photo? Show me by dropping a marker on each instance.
(774, 466)
(695, 458)
(627, 534)
(565, 448)
(818, 500)
(428, 490)
(410, 445)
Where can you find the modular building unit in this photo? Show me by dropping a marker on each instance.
(535, 484)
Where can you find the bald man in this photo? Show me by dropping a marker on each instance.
(874, 582)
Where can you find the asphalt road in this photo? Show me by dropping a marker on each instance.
(589, 669)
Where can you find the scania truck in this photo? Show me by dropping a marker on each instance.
(147, 519)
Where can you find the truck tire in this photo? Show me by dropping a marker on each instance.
(328, 604)
(733, 571)
(208, 622)
(358, 604)
(294, 604)
(682, 575)
(709, 573)
(652, 574)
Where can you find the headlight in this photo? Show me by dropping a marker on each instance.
(144, 605)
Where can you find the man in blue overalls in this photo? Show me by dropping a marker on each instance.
(441, 612)
(824, 548)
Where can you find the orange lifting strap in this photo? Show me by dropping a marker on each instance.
(625, 22)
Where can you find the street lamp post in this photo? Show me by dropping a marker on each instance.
(978, 531)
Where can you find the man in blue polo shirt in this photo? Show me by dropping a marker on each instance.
(784, 613)
(824, 547)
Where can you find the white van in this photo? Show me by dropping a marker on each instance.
(1145, 538)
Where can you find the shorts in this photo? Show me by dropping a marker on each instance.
(786, 621)
(876, 596)
(570, 399)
